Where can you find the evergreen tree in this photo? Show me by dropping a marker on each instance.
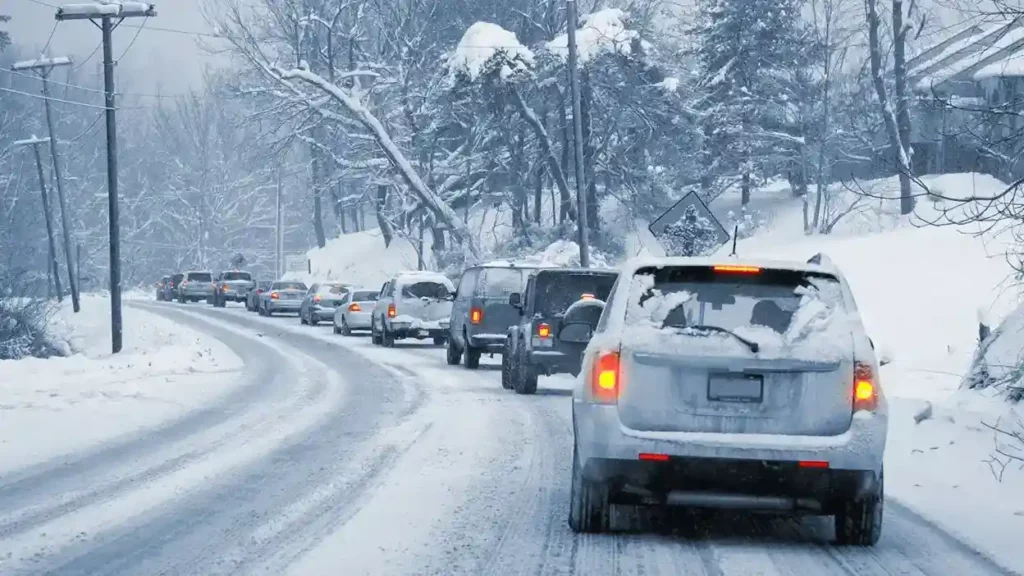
(749, 54)
(5, 38)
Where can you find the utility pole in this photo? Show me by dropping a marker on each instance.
(278, 231)
(42, 67)
(577, 125)
(106, 12)
(34, 143)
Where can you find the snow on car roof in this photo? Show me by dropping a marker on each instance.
(423, 276)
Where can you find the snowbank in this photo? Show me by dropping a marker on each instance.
(360, 258)
(485, 46)
(564, 254)
(60, 405)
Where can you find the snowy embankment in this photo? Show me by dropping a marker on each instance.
(51, 408)
(919, 289)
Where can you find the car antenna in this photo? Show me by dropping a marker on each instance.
(735, 235)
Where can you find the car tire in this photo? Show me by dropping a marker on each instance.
(388, 337)
(313, 320)
(526, 379)
(336, 329)
(589, 506)
(507, 367)
(345, 330)
(439, 340)
(859, 522)
(453, 354)
(472, 355)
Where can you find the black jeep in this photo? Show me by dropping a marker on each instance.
(550, 336)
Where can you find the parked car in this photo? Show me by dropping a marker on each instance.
(231, 286)
(283, 296)
(481, 314)
(320, 301)
(161, 287)
(731, 384)
(412, 305)
(546, 339)
(252, 297)
(355, 311)
(170, 289)
(195, 286)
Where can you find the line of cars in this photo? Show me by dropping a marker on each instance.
(699, 383)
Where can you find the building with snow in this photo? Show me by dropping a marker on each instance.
(968, 91)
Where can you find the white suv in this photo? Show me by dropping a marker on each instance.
(413, 305)
(727, 384)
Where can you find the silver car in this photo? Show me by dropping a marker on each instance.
(413, 305)
(749, 385)
(195, 286)
(320, 301)
(231, 285)
(356, 311)
(283, 296)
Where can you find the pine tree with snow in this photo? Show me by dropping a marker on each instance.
(749, 53)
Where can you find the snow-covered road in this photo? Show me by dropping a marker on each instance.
(337, 457)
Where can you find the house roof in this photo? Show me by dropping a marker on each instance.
(978, 52)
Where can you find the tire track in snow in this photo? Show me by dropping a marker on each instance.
(108, 471)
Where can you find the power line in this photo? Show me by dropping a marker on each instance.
(41, 3)
(87, 58)
(136, 37)
(52, 99)
(173, 31)
(86, 88)
(50, 39)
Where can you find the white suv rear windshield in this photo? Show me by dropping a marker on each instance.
(500, 282)
(365, 296)
(200, 277)
(237, 276)
(425, 289)
(680, 297)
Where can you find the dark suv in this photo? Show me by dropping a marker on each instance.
(481, 314)
(548, 338)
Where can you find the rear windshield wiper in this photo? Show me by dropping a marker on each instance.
(754, 346)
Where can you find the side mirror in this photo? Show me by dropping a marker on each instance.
(516, 300)
(576, 332)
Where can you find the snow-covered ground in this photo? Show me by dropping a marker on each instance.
(919, 289)
(54, 407)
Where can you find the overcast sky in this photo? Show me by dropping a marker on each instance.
(158, 61)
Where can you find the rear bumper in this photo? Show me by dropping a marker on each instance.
(189, 293)
(323, 312)
(601, 437)
(358, 320)
(554, 362)
(488, 342)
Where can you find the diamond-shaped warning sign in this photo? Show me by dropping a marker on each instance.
(689, 228)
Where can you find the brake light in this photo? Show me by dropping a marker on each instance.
(653, 457)
(476, 315)
(224, 288)
(605, 378)
(813, 464)
(391, 311)
(259, 290)
(274, 296)
(185, 283)
(544, 331)
(865, 396)
(588, 297)
(731, 269)
(354, 307)
(316, 298)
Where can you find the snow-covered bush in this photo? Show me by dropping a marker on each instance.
(999, 360)
(23, 321)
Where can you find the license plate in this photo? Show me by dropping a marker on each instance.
(424, 333)
(747, 388)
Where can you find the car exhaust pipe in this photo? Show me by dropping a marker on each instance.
(740, 501)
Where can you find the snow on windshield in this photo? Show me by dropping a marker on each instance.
(798, 316)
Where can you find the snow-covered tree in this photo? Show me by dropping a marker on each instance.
(750, 54)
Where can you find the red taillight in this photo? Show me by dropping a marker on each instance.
(354, 307)
(544, 331)
(654, 457)
(730, 269)
(476, 315)
(316, 298)
(605, 378)
(391, 311)
(185, 283)
(813, 464)
(865, 396)
(274, 296)
(259, 290)
(588, 297)
(224, 288)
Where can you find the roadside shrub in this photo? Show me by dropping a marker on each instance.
(24, 316)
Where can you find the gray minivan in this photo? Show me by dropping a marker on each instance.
(481, 314)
